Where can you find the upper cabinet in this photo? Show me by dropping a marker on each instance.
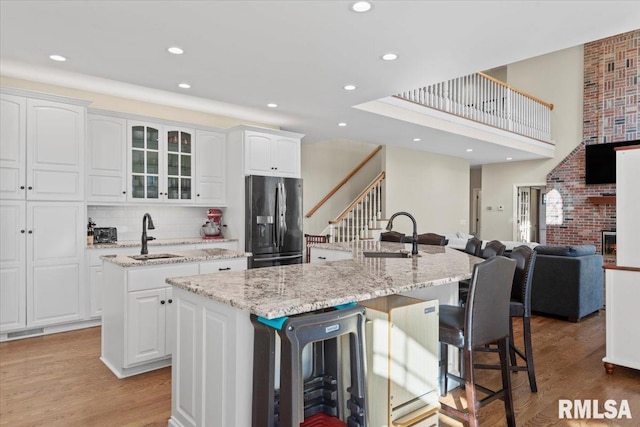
(160, 163)
(266, 153)
(106, 159)
(211, 165)
(41, 149)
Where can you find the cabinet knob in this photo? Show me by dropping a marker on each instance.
(197, 195)
(170, 301)
(30, 188)
(30, 231)
(22, 187)
(161, 301)
(224, 269)
(124, 192)
(322, 257)
(22, 231)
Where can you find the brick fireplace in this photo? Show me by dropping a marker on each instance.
(611, 113)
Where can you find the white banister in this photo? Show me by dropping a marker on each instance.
(484, 99)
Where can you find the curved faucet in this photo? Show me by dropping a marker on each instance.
(145, 239)
(414, 248)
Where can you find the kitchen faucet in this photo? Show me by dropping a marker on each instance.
(145, 239)
(414, 248)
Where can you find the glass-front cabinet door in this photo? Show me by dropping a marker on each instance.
(144, 167)
(179, 170)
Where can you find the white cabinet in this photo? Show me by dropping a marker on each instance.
(323, 255)
(211, 163)
(42, 149)
(13, 146)
(41, 265)
(161, 163)
(271, 155)
(146, 325)
(106, 159)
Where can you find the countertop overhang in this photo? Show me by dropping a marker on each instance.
(158, 242)
(273, 292)
(196, 255)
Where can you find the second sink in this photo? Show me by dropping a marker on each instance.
(386, 254)
(148, 257)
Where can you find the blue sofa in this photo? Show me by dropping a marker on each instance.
(567, 281)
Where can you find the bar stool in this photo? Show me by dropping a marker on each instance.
(483, 320)
(321, 393)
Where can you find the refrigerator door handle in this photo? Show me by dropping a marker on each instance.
(283, 213)
(276, 223)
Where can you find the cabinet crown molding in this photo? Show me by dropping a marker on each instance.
(45, 96)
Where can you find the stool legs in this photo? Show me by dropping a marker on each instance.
(470, 388)
(528, 352)
(503, 346)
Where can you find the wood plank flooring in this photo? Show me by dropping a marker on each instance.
(58, 380)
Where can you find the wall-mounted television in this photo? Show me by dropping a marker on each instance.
(600, 162)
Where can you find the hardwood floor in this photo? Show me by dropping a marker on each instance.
(58, 380)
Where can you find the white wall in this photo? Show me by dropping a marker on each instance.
(432, 187)
(324, 165)
(556, 78)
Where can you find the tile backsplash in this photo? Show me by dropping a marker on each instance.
(171, 222)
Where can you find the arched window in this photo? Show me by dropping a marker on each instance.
(554, 208)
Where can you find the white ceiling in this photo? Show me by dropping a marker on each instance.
(298, 54)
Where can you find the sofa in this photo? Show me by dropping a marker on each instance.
(567, 281)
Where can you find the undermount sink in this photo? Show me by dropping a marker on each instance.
(149, 257)
(387, 254)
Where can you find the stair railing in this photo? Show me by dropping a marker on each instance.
(484, 99)
(362, 215)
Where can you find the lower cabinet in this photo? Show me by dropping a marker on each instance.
(148, 313)
(324, 255)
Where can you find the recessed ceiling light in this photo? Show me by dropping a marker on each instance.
(342, 124)
(272, 105)
(416, 139)
(361, 6)
(469, 150)
(389, 57)
(175, 50)
(58, 58)
(349, 87)
(184, 85)
(509, 158)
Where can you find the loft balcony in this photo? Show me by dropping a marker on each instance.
(480, 107)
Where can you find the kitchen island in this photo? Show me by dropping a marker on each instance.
(213, 354)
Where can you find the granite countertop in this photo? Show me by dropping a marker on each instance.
(158, 242)
(196, 255)
(293, 289)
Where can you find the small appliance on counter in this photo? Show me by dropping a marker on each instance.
(105, 235)
(212, 229)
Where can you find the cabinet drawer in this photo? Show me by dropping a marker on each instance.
(232, 264)
(154, 276)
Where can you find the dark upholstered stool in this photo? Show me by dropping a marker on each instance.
(484, 320)
(322, 330)
(391, 236)
(473, 247)
(493, 248)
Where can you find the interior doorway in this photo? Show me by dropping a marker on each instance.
(529, 214)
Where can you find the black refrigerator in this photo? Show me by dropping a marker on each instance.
(273, 220)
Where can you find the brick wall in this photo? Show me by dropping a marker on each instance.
(610, 114)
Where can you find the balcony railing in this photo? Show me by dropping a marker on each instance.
(482, 98)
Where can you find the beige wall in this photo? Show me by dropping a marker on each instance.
(323, 166)
(130, 106)
(556, 78)
(432, 187)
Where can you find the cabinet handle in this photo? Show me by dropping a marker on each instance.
(22, 187)
(161, 301)
(22, 231)
(30, 188)
(197, 195)
(322, 257)
(124, 192)
(170, 301)
(30, 231)
(224, 269)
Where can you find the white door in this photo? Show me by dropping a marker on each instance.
(55, 151)
(13, 143)
(106, 159)
(258, 154)
(12, 266)
(524, 214)
(211, 166)
(145, 326)
(286, 156)
(55, 250)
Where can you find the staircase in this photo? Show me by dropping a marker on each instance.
(362, 219)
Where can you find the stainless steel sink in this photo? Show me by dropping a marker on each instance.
(387, 254)
(149, 257)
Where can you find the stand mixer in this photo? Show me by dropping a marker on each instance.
(212, 228)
